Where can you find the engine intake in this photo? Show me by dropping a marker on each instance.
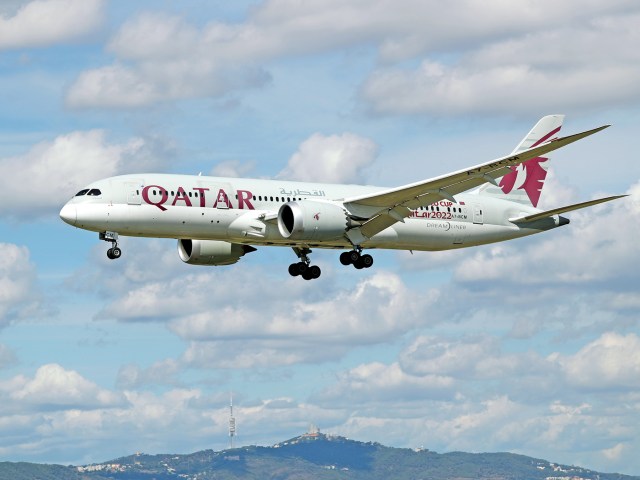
(211, 252)
(309, 220)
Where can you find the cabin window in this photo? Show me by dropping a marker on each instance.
(94, 192)
(271, 198)
(190, 193)
(82, 192)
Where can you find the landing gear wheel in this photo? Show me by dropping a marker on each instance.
(314, 271)
(355, 258)
(366, 260)
(304, 268)
(112, 237)
(296, 269)
(293, 270)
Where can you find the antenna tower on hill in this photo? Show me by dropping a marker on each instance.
(232, 423)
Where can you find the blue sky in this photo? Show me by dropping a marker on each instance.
(531, 346)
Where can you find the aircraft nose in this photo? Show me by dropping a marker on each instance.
(69, 214)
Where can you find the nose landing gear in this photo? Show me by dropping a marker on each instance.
(114, 252)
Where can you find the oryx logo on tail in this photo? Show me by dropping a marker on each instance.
(528, 176)
(525, 181)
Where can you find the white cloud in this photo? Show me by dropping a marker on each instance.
(472, 358)
(19, 296)
(520, 88)
(160, 373)
(61, 407)
(32, 26)
(286, 329)
(558, 257)
(610, 362)
(600, 234)
(290, 323)
(162, 57)
(530, 404)
(57, 388)
(232, 168)
(51, 172)
(346, 316)
(166, 59)
(377, 382)
(615, 452)
(257, 355)
(333, 159)
(572, 65)
(582, 274)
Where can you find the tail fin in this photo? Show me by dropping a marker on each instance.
(524, 183)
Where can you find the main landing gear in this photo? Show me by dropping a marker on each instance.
(304, 268)
(114, 252)
(355, 258)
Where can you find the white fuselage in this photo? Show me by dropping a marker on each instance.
(243, 211)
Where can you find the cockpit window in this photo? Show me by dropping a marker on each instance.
(82, 192)
(94, 192)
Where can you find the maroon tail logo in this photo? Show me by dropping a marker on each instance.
(534, 174)
(317, 216)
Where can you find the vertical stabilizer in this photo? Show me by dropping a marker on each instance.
(524, 183)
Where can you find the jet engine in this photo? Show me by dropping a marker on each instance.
(309, 220)
(211, 252)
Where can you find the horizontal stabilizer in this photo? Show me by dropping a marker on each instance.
(558, 211)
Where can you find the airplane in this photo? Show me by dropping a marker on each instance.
(219, 220)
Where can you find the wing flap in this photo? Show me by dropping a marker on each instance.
(558, 211)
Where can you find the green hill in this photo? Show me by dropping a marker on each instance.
(315, 456)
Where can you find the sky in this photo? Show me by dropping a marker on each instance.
(530, 346)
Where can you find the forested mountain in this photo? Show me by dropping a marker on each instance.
(312, 456)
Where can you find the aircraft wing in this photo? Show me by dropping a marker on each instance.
(380, 210)
(568, 208)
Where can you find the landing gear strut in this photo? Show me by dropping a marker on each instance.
(304, 268)
(114, 252)
(355, 258)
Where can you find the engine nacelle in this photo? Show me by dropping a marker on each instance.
(211, 252)
(309, 220)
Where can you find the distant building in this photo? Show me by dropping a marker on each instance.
(313, 431)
